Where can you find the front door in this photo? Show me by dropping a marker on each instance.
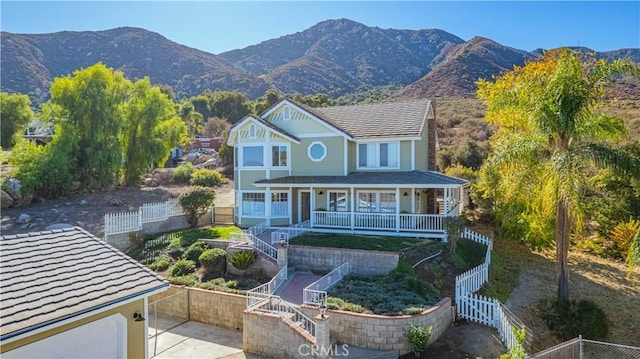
(305, 206)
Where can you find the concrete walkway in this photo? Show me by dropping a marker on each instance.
(292, 290)
(198, 340)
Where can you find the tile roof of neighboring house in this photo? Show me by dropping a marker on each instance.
(390, 119)
(50, 276)
(411, 178)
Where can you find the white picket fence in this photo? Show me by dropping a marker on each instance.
(478, 308)
(125, 222)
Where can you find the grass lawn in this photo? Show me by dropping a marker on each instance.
(372, 243)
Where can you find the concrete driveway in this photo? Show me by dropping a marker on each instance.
(197, 340)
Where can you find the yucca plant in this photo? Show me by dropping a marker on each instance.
(242, 260)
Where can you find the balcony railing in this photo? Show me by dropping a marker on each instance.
(398, 222)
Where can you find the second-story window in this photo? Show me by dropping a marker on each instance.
(279, 156)
(252, 131)
(252, 156)
(286, 113)
(378, 155)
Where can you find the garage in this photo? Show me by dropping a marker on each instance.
(103, 338)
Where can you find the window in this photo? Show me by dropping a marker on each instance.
(317, 151)
(252, 131)
(337, 201)
(253, 204)
(378, 155)
(286, 113)
(279, 156)
(252, 156)
(384, 202)
(279, 204)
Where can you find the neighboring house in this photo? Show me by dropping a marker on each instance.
(205, 144)
(67, 294)
(356, 169)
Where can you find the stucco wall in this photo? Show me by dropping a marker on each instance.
(136, 340)
(363, 263)
(382, 332)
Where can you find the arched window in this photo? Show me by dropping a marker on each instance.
(252, 131)
(286, 113)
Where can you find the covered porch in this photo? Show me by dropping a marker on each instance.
(404, 203)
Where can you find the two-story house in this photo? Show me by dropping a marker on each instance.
(352, 169)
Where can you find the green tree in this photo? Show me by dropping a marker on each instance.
(16, 113)
(317, 100)
(216, 127)
(228, 104)
(149, 131)
(91, 101)
(196, 202)
(262, 103)
(550, 134)
(192, 118)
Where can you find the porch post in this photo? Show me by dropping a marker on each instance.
(445, 205)
(413, 201)
(397, 209)
(352, 205)
(267, 206)
(290, 201)
(312, 204)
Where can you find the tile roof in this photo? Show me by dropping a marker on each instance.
(413, 178)
(390, 119)
(51, 276)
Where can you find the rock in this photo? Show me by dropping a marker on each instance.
(23, 218)
(75, 185)
(5, 199)
(151, 182)
(112, 187)
(26, 226)
(58, 226)
(39, 219)
(39, 200)
(210, 164)
(117, 203)
(202, 159)
(55, 210)
(80, 224)
(67, 203)
(162, 175)
(83, 202)
(14, 188)
(5, 227)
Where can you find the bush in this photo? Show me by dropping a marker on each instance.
(207, 178)
(418, 337)
(182, 173)
(214, 262)
(175, 249)
(194, 251)
(242, 260)
(182, 267)
(196, 202)
(567, 320)
(160, 264)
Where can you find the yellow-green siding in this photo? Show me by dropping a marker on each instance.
(299, 123)
(136, 340)
(332, 164)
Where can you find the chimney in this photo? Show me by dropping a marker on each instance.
(432, 139)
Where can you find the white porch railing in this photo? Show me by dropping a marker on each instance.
(285, 234)
(399, 222)
(315, 293)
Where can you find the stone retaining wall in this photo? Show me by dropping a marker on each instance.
(321, 259)
(384, 332)
(269, 335)
(201, 305)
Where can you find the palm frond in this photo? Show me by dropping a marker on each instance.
(602, 127)
(517, 149)
(607, 157)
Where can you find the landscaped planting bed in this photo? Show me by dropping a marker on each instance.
(374, 243)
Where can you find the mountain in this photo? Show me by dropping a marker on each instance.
(30, 62)
(341, 56)
(334, 57)
(462, 65)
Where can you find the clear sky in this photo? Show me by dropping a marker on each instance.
(216, 27)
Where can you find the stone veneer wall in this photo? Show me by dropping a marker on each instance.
(200, 305)
(383, 332)
(321, 259)
(267, 334)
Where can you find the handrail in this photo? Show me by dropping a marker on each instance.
(285, 234)
(315, 293)
(263, 291)
(274, 304)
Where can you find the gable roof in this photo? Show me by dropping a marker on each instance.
(259, 120)
(417, 179)
(392, 119)
(309, 110)
(52, 276)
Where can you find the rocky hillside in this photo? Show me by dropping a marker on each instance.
(30, 62)
(335, 57)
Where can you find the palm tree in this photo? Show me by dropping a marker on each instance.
(551, 134)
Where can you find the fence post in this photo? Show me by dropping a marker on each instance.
(580, 345)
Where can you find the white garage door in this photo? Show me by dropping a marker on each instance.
(104, 338)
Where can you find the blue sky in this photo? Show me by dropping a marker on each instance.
(221, 26)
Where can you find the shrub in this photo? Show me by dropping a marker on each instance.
(569, 319)
(196, 202)
(214, 261)
(182, 173)
(623, 234)
(242, 260)
(160, 264)
(418, 337)
(190, 280)
(207, 178)
(175, 249)
(404, 267)
(194, 251)
(182, 267)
